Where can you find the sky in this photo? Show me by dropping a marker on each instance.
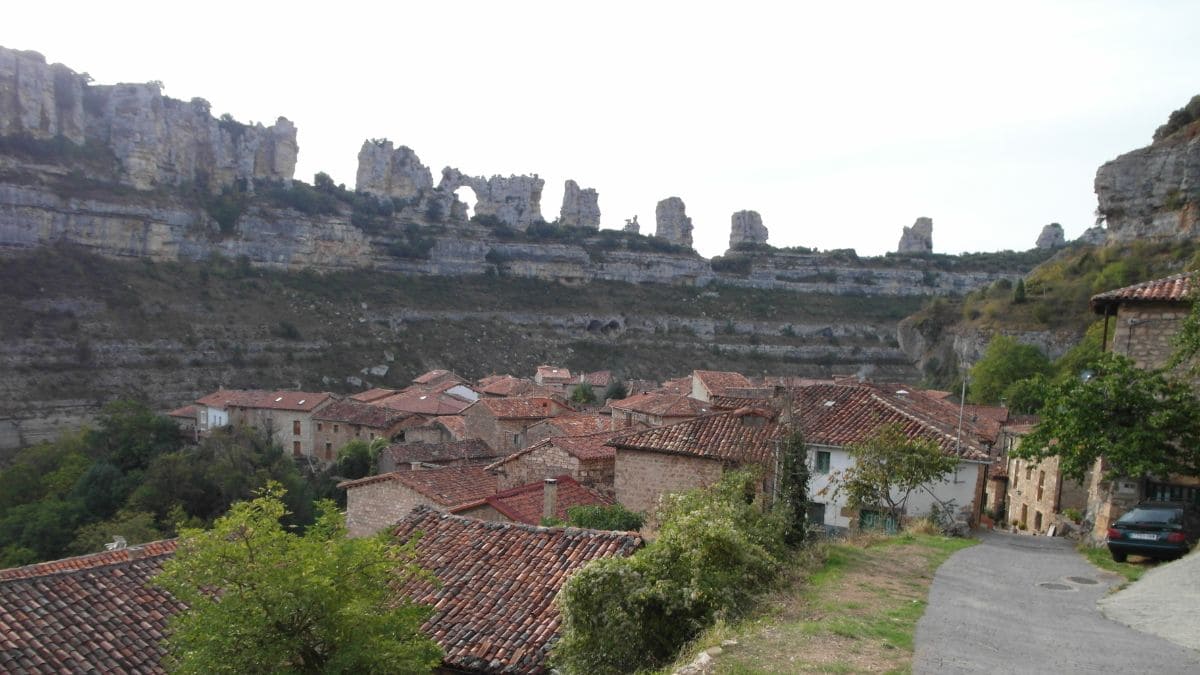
(840, 123)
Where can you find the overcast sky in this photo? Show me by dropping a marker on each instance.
(839, 122)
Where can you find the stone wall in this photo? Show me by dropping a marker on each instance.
(380, 504)
(1144, 331)
(1038, 494)
(641, 477)
(536, 465)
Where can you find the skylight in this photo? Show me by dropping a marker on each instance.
(279, 399)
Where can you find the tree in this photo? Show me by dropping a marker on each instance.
(583, 393)
(263, 599)
(615, 391)
(888, 467)
(793, 487)
(1004, 362)
(357, 459)
(1019, 292)
(1141, 422)
(129, 434)
(1187, 341)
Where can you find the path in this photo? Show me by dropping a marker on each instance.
(1021, 604)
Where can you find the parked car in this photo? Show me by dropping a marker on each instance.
(1160, 530)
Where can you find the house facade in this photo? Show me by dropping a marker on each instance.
(585, 459)
(1038, 494)
(377, 502)
(285, 416)
(343, 421)
(501, 422)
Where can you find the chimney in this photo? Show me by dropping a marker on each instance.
(415, 466)
(550, 498)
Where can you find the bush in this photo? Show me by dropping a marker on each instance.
(615, 517)
(716, 549)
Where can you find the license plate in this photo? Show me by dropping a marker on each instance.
(1140, 535)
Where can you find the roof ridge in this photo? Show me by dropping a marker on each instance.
(423, 510)
(54, 567)
(956, 439)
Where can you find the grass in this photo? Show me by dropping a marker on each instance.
(844, 607)
(1132, 571)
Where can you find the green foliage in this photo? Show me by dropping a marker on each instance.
(1179, 119)
(793, 487)
(137, 527)
(738, 265)
(226, 208)
(614, 517)
(1186, 342)
(715, 550)
(1026, 397)
(582, 393)
(1004, 362)
(263, 599)
(615, 391)
(320, 199)
(129, 434)
(1141, 422)
(888, 467)
(1019, 296)
(358, 459)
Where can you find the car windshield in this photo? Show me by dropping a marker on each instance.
(1143, 516)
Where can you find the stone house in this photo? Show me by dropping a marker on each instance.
(501, 422)
(378, 502)
(507, 386)
(656, 409)
(402, 456)
(535, 503)
(693, 453)
(834, 418)
(343, 421)
(586, 459)
(1038, 494)
(285, 416)
(1145, 319)
(372, 395)
(494, 609)
(553, 378)
(709, 383)
(442, 429)
(185, 417)
(567, 424)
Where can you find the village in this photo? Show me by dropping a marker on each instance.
(487, 472)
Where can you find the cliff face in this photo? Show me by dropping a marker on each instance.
(1153, 192)
(156, 140)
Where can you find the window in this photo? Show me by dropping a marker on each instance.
(296, 448)
(1028, 473)
(329, 451)
(822, 461)
(319, 426)
(335, 428)
(816, 513)
(1041, 483)
(372, 435)
(1037, 521)
(296, 427)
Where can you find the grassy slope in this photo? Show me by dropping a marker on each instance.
(846, 607)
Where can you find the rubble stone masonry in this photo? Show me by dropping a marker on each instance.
(641, 477)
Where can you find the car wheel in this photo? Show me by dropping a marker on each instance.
(1119, 557)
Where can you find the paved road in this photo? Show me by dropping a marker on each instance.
(989, 613)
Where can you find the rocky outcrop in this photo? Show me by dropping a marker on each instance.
(1051, 237)
(515, 201)
(631, 225)
(672, 223)
(1153, 192)
(39, 100)
(580, 207)
(385, 171)
(1093, 236)
(747, 228)
(917, 239)
(156, 140)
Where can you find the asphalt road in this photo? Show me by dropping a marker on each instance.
(1020, 604)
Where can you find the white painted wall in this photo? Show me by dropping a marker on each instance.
(959, 486)
(212, 418)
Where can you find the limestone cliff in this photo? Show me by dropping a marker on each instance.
(385, 171)
(917, 239)
(515, 201)
(156, 140)
(747, 228)
(1153, 192)
(580, 207)
(672, 223)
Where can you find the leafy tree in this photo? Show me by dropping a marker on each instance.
(1187, 341)
(1019, 292)
(358, 459)
(1026, 397)
(129, 434)
(583, 393)
(615, 517)
(1141, 422)
(1004, 362)
(888, 467)
(793, 487)
(137, 527)
(263, 599)
(615, 391)
(44, 528)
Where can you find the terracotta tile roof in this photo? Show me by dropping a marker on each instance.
(267, 400)
(188, 411)
(735, 402)
(533, 408)
(716, 381)
(841, 415)
(362, 414)
(680, 385)
(424, 403)
(578, 424)
(587, 448)
(600, 378)
(455, 424)
(93, 613)
(634, 387)
(525, 504)
(448, 486)
(494, 608)
(742, 436)
(662, 404)
(1175, 288)
(436, 453)
(507, 385)
(553, 374)
(435, 376)
(372, 395)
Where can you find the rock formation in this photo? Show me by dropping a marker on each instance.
(39, 100)
(1153, 192)
(1095, 236)
(747, 228)
(631, 225)
(580, 207)
(516, 201)
(1051, 237)
(156, 140)
(387, 172)
(917, 239)
(672, 222)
